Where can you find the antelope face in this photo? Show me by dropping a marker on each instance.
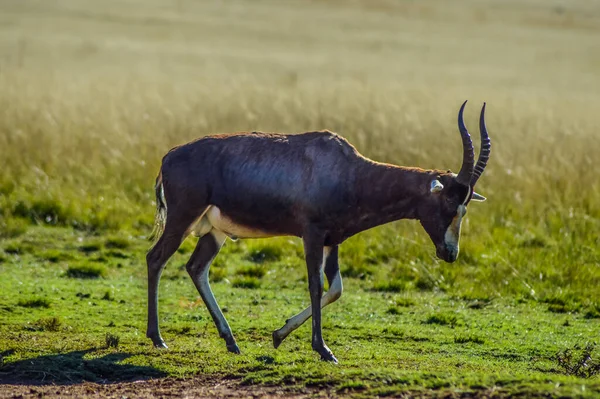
(442, 213)
(445, 202)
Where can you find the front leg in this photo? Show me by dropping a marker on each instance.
(313, 250)
(332, 272)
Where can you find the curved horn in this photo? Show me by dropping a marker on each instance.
(466, 170)
(484, 152)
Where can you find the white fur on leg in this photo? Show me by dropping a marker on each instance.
(206, 292)
(334, 292)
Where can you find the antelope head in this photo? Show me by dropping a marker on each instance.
(448, 194)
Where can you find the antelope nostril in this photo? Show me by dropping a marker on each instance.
(448, 253)
(452, 253)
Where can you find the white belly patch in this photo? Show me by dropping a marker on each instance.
(214, 218)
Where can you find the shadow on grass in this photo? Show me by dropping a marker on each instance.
(72, 368)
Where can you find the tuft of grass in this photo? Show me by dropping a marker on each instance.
(86, 270)
(266, 253)
(425, 284)
(246, 282)
(578, 361)
(217, 274)
(352, 386)
(12, 227)
(266, 359)
(111, 340)
(561, 305)
(465, 339)
(89, 247)
(55, 255)
(44, 210)
(117, 254)
(15, 248)
(52, 324)
(35, 302)
(360, 271)
(183, 330)
(478, 303)
(252, 271)
(108, 296)
(534, 242)
(557, 308)
(592, 312)
(443, 319)
(390, 286)
(393, 331)
(404, 302)
(393, 310)
(117, 242)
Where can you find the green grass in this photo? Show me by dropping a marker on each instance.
(465, 339)
(86, 271)
(442, 319)
(246, 282)
(34, 303)
(51, 324)
(93, 96)
(253, 271)
(431, 341)
(390, 286)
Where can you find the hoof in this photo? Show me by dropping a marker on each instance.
(160, 344)
(277, 340)
(157, 340)
(233, 348)
(326, 354)
(328, 357)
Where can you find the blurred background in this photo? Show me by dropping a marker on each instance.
(93, 94)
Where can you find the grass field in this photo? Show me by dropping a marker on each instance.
(93, 94)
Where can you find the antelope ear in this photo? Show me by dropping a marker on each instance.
(436, 186)
(478, 197)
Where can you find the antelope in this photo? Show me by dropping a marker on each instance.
(313, 185)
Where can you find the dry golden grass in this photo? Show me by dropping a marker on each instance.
(93, 94)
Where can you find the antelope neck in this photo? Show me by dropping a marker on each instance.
(386, 193)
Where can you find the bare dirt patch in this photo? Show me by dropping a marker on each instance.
(159, 388)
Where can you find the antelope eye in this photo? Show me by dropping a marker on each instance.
(450, 201)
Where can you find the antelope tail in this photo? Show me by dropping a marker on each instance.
(160, 219)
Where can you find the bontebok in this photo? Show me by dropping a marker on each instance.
(312, 185)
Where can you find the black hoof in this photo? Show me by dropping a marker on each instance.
(160, 344)
(326, 354)
(233, 348)
(329, 358)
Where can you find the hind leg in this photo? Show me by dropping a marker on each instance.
(175, 231)
(198, 265)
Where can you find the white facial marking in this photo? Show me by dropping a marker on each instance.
(468, 195)
(452, 235)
